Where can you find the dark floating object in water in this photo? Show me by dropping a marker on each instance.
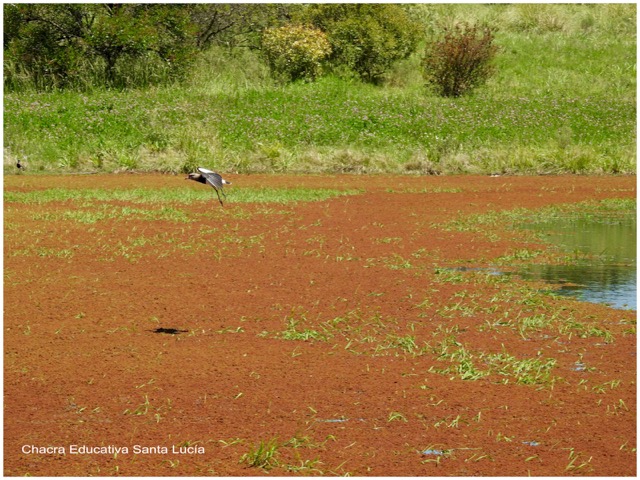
(170, 331)
(339, 420)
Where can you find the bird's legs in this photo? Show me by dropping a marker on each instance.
(219, 199)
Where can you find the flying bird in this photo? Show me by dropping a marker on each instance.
(212, 178)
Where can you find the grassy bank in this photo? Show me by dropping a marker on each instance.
(563, 101)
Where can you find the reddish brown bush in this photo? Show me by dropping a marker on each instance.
(459, 61)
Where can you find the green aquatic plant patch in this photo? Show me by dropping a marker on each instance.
(167, 195)
(607, 210)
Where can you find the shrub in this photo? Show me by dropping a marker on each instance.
(365, 38)
(461, 60)
(295, 52)
(56, 46)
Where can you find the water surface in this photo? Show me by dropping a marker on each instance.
(604, 251)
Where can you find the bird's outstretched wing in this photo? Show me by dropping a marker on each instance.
(214, 179)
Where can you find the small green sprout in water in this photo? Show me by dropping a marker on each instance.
(396, 416)
(262, 455)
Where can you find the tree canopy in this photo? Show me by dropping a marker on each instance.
(367, 38)
(56, 45)
(52, 41)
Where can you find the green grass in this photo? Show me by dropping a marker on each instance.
(89, 206)
(293, 333)
(262, 455)
(330, 126)
(563, 101)
(520, 221)
(167, 195)
(110, 212)
(469, 365)
(285, 456)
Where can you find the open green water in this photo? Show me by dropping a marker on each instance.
(604, 248)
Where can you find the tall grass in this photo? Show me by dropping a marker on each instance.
(563, 101)
(139, 73)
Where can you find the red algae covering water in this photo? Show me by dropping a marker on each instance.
(319, 338)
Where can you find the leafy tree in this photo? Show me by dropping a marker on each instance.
(236, 24)
(44, 41)
(367, 38)
(295, 51)
(459, 61)
(52, 42)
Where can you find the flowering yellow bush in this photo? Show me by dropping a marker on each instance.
(295, 52)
